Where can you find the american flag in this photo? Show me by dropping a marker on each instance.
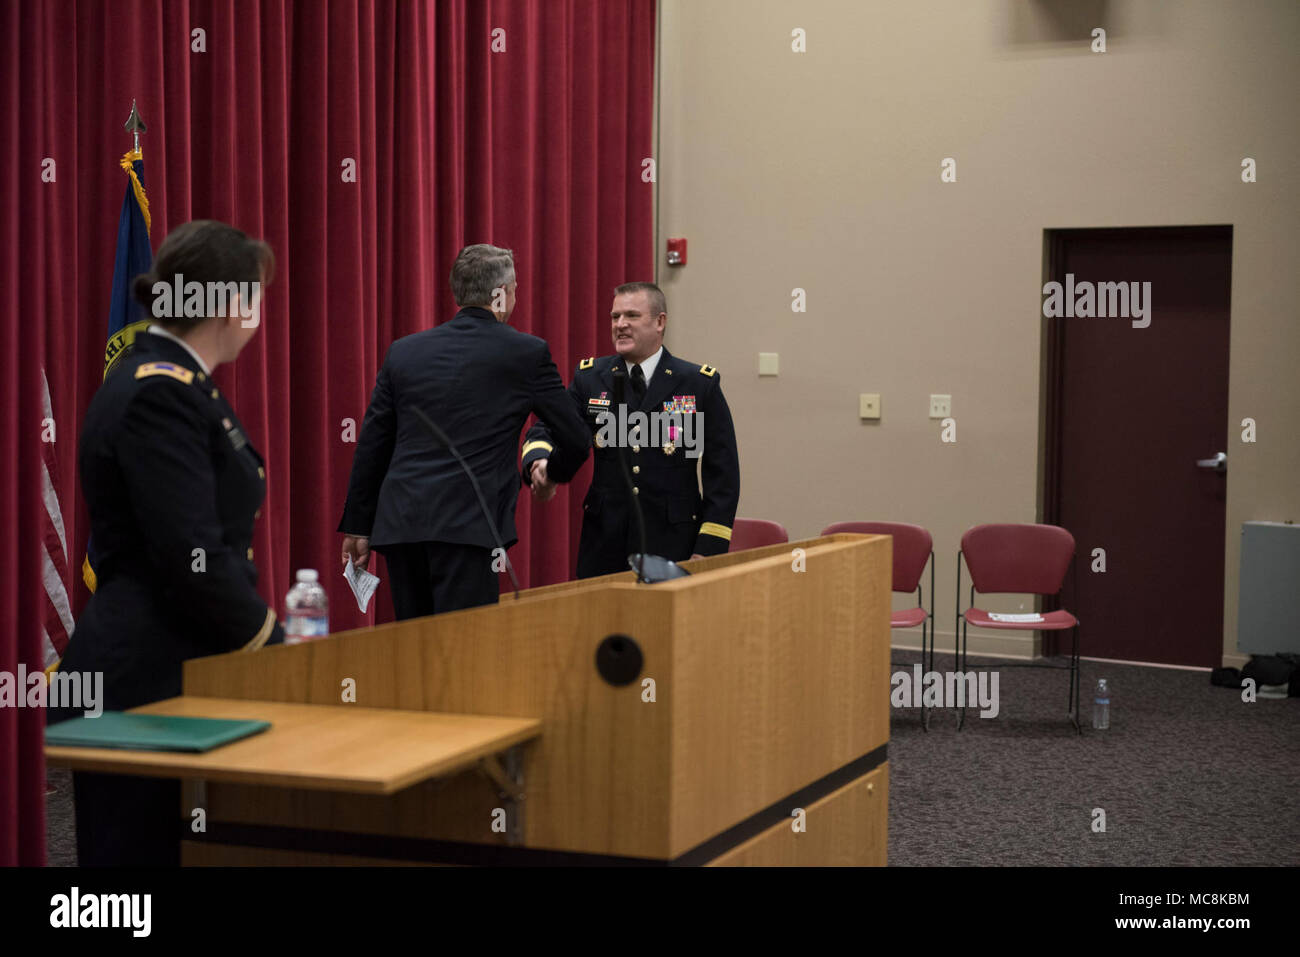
(57, 622)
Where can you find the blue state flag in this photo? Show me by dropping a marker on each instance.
(126, 317)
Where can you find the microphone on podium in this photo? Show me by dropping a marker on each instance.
(441, 438)
(648, 568)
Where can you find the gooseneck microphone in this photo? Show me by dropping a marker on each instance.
(620, 391)
(441, 438)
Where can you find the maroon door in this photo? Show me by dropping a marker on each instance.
(1130, 412)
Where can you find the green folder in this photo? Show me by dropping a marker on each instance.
(150, 732)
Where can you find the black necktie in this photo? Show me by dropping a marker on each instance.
(638, 384)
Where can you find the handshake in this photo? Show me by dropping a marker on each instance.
(543, 487)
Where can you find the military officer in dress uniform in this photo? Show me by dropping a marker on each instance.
(173, 487)
(686, 513)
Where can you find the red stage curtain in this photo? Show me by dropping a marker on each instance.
(537, 147)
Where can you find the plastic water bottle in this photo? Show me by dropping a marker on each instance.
(1101, 706)
(308, 609)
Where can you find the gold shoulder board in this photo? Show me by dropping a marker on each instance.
(169, 369)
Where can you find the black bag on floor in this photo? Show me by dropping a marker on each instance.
(1225, 678)
(1268, 670)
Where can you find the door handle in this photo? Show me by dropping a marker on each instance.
(1219, 463)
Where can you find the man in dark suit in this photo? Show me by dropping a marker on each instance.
(477, 379)
(687, 512)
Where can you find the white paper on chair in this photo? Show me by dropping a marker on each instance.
(1016, 619)
(362, 583)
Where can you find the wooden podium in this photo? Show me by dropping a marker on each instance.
(754, 730)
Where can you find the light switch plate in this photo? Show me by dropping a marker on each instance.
(768, 363)
(869, 405)
(940, 406)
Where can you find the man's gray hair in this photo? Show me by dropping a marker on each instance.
(658, 303)
(478, 271)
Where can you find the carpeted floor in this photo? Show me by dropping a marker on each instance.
(1187, 774)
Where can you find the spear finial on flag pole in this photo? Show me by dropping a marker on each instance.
(135, 125)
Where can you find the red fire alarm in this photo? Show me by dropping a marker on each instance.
(677, 252)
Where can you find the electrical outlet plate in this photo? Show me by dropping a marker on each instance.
(940, 406)
(869, 405)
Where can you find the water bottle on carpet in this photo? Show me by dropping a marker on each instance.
(1101, 706)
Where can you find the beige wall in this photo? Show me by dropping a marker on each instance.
(821, 170)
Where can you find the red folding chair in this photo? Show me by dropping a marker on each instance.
(1023, 559)
(913, 549)
(755, 533)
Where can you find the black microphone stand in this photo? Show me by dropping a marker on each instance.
(620, 390)
(441, 437)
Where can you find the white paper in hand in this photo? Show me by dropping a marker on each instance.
(362, 583)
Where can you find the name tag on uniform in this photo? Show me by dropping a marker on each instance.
(234, 434)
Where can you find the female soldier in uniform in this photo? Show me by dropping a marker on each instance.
(173, 486)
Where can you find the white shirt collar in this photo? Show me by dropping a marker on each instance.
(648, 366)
(157, 330)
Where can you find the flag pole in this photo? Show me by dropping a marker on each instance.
(135, 126)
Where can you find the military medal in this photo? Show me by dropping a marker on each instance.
(670, 446)
(595, 406)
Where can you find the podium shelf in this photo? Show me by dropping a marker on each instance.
(319, 747)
